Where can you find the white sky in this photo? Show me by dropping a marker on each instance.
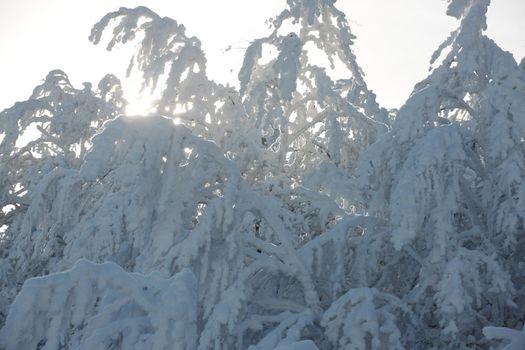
(395, 38)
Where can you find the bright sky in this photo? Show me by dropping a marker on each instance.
(395, 38)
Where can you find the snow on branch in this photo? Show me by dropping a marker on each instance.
(102, 306)
(514, 339)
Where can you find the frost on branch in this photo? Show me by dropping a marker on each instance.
(174, 65)
(304, 117)
(103, 307)
(307, 224)
(437, 177)
(449, 95)
(362, 319)
(432, 175)
(143, 181)
(52, 129)
(164, 44)
(152, 196)
(473, 285)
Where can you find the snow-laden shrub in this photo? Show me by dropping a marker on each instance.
(95, 306)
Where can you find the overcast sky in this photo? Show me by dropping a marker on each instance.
(395, 38)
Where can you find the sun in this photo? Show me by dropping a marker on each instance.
(140, 106)
(140, 100)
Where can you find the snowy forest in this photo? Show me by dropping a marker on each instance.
(292, 212)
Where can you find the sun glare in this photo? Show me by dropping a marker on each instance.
(140, 101)
(139, 107)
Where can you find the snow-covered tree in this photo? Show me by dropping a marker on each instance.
(437, 178)
(304, 117)
(293, 214)
(52, 128)
(173, 67)
(151, 196)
